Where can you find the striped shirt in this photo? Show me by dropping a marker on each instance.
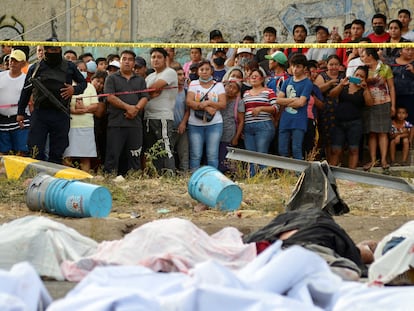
(265, 98)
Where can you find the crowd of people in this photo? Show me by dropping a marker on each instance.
(305, 103)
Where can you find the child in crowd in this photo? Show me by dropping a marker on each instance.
(401, 134)
(294, 96)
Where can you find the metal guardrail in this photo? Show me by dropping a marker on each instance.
(338, 172)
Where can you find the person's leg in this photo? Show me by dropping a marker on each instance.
(383, 146)
(59, 125)
(114, 145)
(38, 134)
(5, 142)
(133, 147)
(196, 142)
(372, 147)
(250, 137)
(19, 141)
(182, 151)
(405, 149)
(297, 143)
(265, 132)
(393, 147)
(213, 136)
(353, 130)
(338, 141)
(284, 142)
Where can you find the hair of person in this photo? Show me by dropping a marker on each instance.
(84, 55)
(99, 75)
(176, 66)
(333, 56)
(358, 22)
(204, 62)
(300, 26)
(379, 15)
(363, 39)
(270, 29)
(363, 68)
(159, 50)
(298, 59)
(373, 52)
(79, 61)
(347, 26)
(396, 21)
(312, 64)
(71, 52)
(402, 107)
(111, 57)
(404, 11)
(199, 49)
(248, 38)
(252, 64)
(100, 59)
(130, 52)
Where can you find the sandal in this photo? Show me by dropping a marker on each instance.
(368, 166)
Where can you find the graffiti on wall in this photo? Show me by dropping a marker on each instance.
(11, 28)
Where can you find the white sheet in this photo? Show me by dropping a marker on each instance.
(166, 245)
(42, 242)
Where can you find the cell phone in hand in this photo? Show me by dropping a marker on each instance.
(355, 80)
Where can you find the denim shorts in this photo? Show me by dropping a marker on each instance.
(347, 131)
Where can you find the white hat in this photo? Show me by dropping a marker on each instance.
(244, 50)
(115, 63)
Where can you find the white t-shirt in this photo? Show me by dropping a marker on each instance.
(213, 95)
(162, 106)
(10, 89)
(409, 35)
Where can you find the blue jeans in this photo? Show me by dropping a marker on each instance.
(257, 137)
(293, 138)
(209, 136)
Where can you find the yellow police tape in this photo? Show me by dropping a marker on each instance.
(16, 167)
(207, 45)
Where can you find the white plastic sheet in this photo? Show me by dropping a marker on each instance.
(42, 242)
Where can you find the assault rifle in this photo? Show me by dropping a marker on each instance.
(46, 94)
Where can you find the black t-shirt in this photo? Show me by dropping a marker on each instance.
(350, 106)
(116, 83)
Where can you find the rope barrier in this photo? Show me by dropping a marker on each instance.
(208, 45)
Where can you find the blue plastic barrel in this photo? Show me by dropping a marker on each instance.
(211, 187)
(70, 198)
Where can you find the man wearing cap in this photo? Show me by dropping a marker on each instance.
(159, 112)
(218, 59)
(113, 67)
(140, 66)
(277, 66)
(241, 57)
(56, 74)
(320, 54)
(12, 137)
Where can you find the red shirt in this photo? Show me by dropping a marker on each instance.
(341, 52)
(379, 39)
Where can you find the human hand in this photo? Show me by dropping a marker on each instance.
(20, 121)
(67, 91)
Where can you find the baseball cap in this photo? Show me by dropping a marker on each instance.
(219, 50)
(278, 56)
(215, 33)
(244, 50)
(323, 28)
(140, 62)
(114, 63)
(18, 55)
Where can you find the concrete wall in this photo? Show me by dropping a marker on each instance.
(178, 21)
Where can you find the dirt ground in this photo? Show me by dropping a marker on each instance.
(374, 211)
